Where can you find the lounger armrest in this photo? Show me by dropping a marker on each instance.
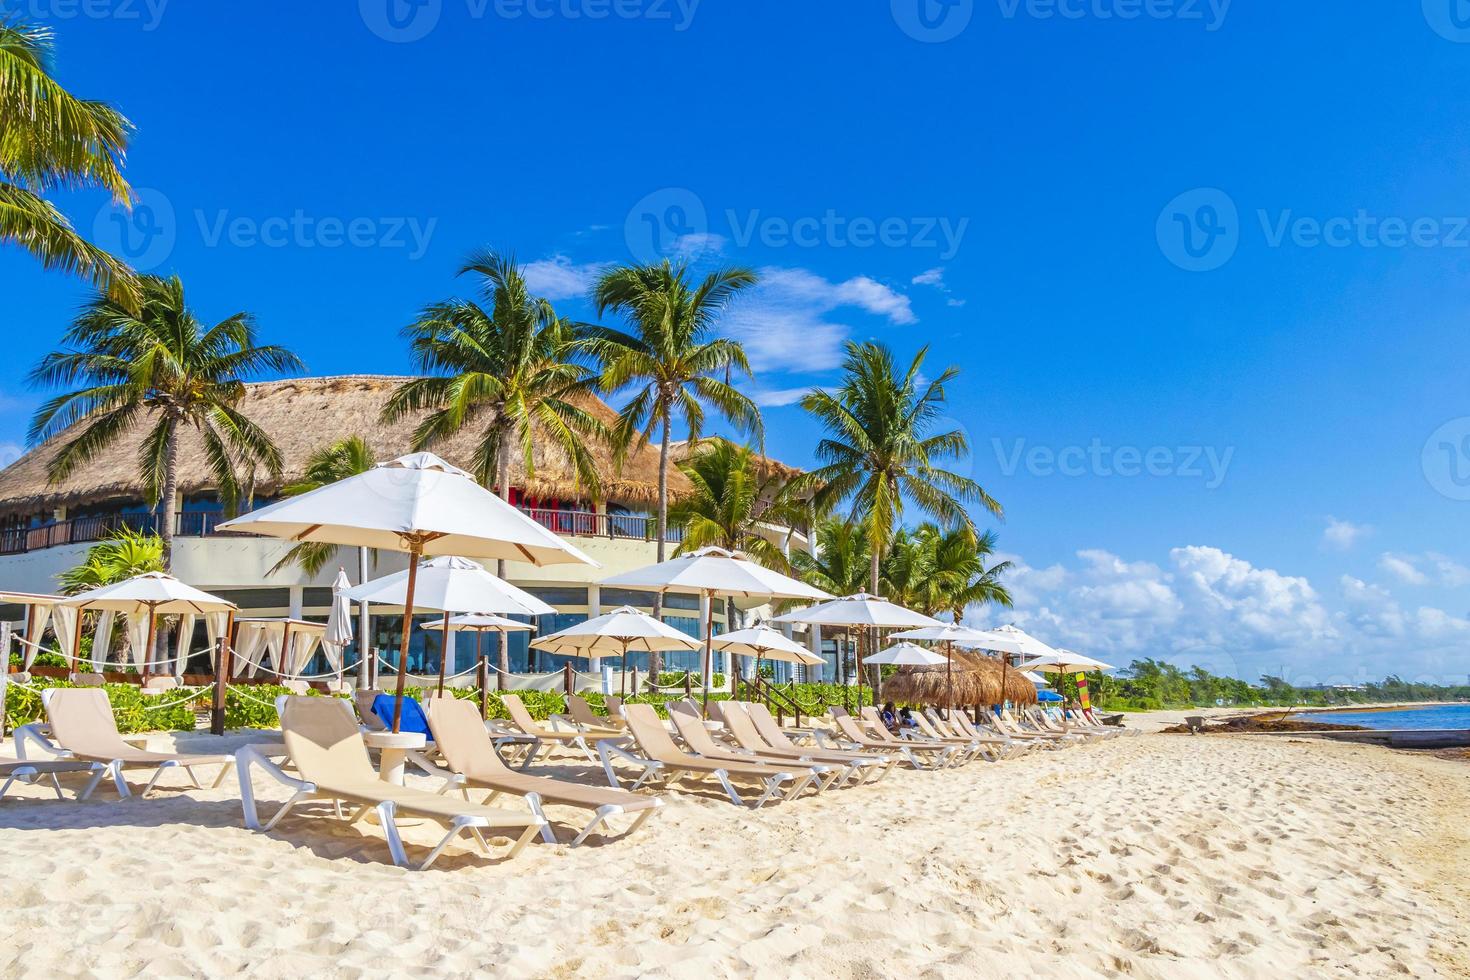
(828, 740)
(422, 761)
(609, 750)
(31, 737)
(245, 757)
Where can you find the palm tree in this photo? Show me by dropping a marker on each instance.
(734, 494)
(52, 140)
(511, 370)
(907, 574)
(673, 360)
(962, 577)
(160, 364)
(840, 565)
(880, 450)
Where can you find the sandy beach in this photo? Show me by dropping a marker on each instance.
(1161, 856)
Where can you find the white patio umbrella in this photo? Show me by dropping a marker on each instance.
(616, 633)
(418, 504)
(480, 624)
(151, 594)
(949, 634)
(764, 643)
(339, 623)
(1007, 640)
(715, 572)
(1065, 662)
(908, 655)
(860, 612)
(449, 584)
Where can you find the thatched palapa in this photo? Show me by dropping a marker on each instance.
(974, 679)
(304, 414)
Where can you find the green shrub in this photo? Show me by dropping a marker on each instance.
(42, 660)
(135, 711)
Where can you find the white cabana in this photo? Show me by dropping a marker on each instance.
(39, 609)
(907, 655)
(417, 504)
(616, 634)
(287, 644)
(713, 572)
(143, 598)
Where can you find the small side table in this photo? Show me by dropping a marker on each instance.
(395, 749)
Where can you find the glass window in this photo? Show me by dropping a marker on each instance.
(612, 598)
(570, 596)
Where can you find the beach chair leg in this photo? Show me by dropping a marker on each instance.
(337, 808)
(830, 775)
(607, 766)
(800, 787)
(55, 784)
(359, 813)
(724, 780)
(639, 820)
(193, 777)
(480, 839)
(912, 759)
(533, 800)
(386, 811)
(598, 818)
(581, 743)
(115, 768)
(773, 786)
(525, 838)
(285, 809)
(16, 775)
(220, 779)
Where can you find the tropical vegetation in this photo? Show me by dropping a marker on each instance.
(52, 140)
(124, 554)
(329, 464)
(157, 363)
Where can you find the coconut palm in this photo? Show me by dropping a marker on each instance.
(735, 492)
(52, 140)
(672, 360)
(907, 574)
(158, 365)
(881, 451)
(509, 370)
(329, 464)
(840, 565)
(962, 576)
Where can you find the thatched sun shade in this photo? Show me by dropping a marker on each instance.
(976, 680)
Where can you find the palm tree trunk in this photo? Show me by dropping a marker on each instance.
(502, 648)
(170, 501)
(655, 659)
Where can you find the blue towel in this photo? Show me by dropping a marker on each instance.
(412, 720)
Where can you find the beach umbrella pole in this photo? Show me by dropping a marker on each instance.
(484, 681)
(443, 653)
(415, 552)
(147, 647)
(709, 647)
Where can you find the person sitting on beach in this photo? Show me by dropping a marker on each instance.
(906, 719)
(890, 717)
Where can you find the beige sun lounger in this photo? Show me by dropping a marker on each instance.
(690, 726)
(326, 747)
(82, 727)
(859, 766)
(579, 714)
(33, 769)
(521, 719)
(665, 763)
(1004, 746)
(939, 756)
(974, 747)
(474, 762)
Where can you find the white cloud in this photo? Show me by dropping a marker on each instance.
(699, 244)
(775, 397)
(1402, 567)
(785, 322)
(560, 278)
(930, 277)
(1342, 535)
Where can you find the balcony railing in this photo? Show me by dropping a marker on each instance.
(197, 524)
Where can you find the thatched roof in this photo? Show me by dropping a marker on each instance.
(975, 679)
(303, 415)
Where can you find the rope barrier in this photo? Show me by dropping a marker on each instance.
(292, 677)
(193, 694)
(394, 668)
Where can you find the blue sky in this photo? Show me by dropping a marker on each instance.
(1223, 247)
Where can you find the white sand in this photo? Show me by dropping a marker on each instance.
(1161, 856)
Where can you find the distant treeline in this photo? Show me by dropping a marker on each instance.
(1152, 684)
